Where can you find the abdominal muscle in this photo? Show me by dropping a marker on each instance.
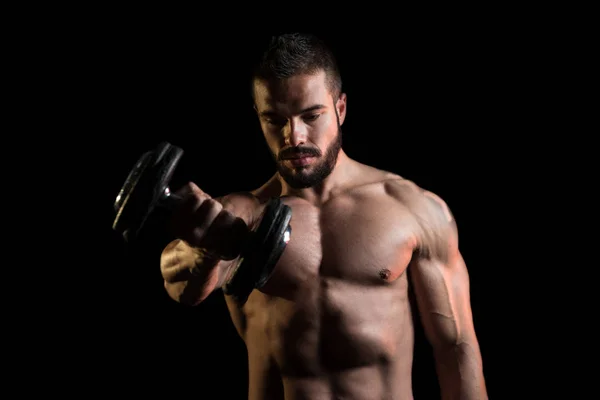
(339, 340)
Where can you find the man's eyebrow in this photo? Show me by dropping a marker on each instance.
(312, 108)
(269, 113)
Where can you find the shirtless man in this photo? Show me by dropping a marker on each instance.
(334, 321)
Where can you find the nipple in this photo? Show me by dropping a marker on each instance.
(385, 274)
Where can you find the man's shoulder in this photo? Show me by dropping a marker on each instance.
(256, 196)
(268, 190)
(424, 203)
(239, 198)
(436, 227)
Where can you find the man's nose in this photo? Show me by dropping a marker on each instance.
(295, 133)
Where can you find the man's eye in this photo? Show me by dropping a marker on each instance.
(312, 117)
(276, 121)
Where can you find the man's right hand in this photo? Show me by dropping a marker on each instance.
(203, 223)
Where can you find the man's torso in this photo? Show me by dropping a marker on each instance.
(334, 320)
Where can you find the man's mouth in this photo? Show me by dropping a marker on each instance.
(300, 160)
(297, 156)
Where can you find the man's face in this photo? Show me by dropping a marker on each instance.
(301, 123)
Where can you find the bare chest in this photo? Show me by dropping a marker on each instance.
(338, 294)
(365, 240)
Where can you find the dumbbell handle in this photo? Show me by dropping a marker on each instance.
(169, 200)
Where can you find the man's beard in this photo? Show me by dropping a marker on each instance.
(303, 177)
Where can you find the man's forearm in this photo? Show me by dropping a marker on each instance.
(460, 372)
(190, 275)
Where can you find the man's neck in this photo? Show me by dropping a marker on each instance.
(340, 175)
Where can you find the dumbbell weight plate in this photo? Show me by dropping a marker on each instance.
(145, 186)
(262, 252)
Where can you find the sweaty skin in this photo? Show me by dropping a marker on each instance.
(335, 319)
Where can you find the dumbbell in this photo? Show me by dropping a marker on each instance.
(146, 191)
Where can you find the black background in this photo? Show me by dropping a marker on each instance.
(454, 107)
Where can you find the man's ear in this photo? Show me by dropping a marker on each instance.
(341, 107)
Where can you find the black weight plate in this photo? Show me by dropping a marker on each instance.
(163, 170)
(125, 211)
(150, 184)
(276, 240)
(264, 250)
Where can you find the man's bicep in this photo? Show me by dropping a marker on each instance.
(442, 293)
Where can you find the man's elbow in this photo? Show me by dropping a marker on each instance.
(183, 294)
(459, 348)
(460, 369)
(456, 344)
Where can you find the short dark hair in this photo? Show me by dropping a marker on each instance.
(291, 54)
